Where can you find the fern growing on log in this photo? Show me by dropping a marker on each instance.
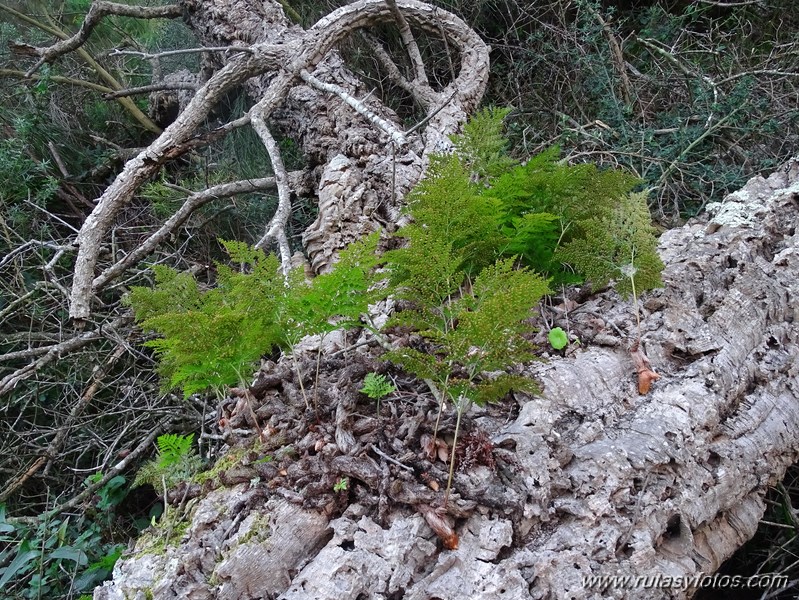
(214, 338)
(619, 245)
(176, 462)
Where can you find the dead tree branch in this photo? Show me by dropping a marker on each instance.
(287, 60)
(276, 230)
(411, 47)
(100, 9)
(192, 203)
(146, 89)
(395, 134)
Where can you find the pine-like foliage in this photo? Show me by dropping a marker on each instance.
(473, 326)
(453, 232)
(214, 338)
(620, 246)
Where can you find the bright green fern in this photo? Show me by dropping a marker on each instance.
(620, 246)
(214, 338)
(483, 146)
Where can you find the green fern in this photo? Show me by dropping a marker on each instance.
(214, 338)
(619, 246)
(173, 447)
(483, 146)
(481, 331)
(176, 462)
(544, 204)
(332, 300)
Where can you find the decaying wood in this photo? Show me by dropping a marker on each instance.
(590, 478)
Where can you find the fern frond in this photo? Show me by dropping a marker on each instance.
(483, 146)
(617, 245)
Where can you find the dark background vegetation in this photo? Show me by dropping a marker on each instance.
(694, 97)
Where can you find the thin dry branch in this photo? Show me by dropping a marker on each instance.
(158, 55)
(95, 87)
(411, 47)
(146, 89)
(617, 54)
(99, 10)
(54, 352)
(192, 203)
(276, 230)
(395, 134)
(419, 93)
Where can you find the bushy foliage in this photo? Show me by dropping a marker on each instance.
(60, 557)
(620, 245)
(468, 213)
(656, 87)
(478, 331)
(213, 338)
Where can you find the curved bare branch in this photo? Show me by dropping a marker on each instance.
(192, 203)
(100, 9)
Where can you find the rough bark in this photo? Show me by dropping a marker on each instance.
(591, 478)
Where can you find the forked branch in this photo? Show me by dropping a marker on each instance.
(100, 9)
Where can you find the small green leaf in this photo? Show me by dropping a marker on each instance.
(377, 386)
(558, 338)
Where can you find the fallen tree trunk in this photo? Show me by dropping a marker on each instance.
(590, 478)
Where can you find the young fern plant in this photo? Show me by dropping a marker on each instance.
(377, 387)
(210, 338)
(487, 237)
(618, 247)
(469, 304)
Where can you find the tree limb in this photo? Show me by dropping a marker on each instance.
(411, 47)
(169, 145)
(192, 203)
(100, 9)
(146, 89)
(395, 134)
(276, 230)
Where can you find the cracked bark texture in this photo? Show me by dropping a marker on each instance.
(361, 180)
(605, 482)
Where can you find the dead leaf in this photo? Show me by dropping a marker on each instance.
(642, 365)
(434, 448)
(440, 524)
